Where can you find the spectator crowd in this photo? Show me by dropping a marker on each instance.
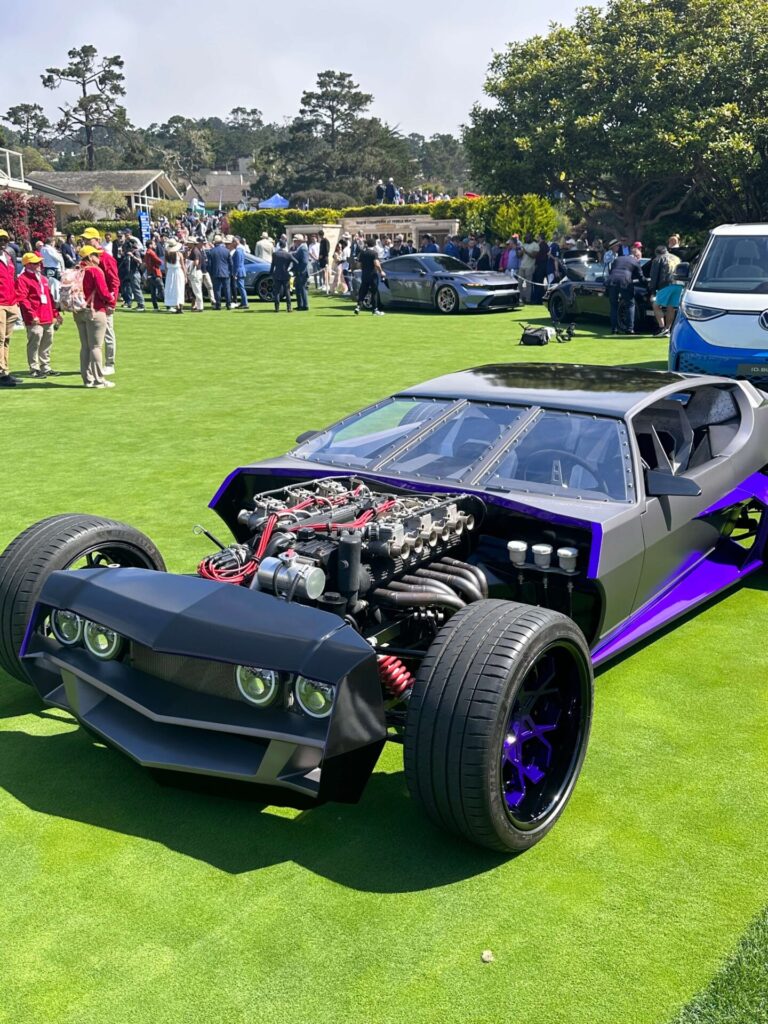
(196, 256)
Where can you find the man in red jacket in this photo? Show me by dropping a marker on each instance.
(9, 309)
(38, 314)
(108, 264)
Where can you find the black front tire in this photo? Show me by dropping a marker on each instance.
(52, 544)
(475, 676)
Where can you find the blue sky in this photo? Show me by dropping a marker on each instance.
(424, 63)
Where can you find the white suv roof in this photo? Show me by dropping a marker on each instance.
(741, 229)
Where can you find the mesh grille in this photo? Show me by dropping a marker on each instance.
(212, 677)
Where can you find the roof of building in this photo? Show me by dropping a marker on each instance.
(87, 181)
(55, 194)
(221, 187)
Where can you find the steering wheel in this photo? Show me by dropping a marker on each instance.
(571, 460)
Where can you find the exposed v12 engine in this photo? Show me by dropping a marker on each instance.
(343, 547)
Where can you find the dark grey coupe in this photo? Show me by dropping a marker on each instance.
(443, 283)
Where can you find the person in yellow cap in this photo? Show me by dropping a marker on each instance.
(108, 263)
(91, 321)
(9, 308)
(38, 313)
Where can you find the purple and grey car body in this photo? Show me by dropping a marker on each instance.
(643, 562)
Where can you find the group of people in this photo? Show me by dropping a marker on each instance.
(391, 193)
(88, 288)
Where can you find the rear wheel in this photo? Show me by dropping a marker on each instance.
(73, 541)
(557, 308)
(446, 300)
(498, 723)
(264, 288)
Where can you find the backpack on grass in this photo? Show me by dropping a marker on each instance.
(536, 335)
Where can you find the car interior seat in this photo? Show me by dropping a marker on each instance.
(715, 420)
(746, 261)
(664, 436)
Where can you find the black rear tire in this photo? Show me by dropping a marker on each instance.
(59, 542)
(557, 308)
(482, 669)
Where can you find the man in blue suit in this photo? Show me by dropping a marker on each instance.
(220, 269)
(301, 273)
(238, 271)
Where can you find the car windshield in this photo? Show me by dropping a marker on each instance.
(457, 444)
(565, 454)
(450, 263)
(363, 438)
(734, 263)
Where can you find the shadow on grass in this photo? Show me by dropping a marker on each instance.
(384, 844)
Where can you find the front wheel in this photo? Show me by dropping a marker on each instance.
(498, 723)
(62, 542)
(446, 300)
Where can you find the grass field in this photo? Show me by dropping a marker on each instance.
(126, 902)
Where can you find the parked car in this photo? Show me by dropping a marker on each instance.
(722, 322)
(443, 283)
(441, 569)
(258, 277)
(582, 293)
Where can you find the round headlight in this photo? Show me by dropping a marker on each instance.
(258, 685)
(101, 641)
(67, 627)
(315, 699)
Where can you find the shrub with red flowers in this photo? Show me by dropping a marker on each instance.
(41, 218)
(13, 214)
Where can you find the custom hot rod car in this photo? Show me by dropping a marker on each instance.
(442, 569)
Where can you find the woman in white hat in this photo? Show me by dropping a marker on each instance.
(175, 278)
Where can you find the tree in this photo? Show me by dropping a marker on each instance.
(332, 110)
(109, 200)
(331, 146)
(13, 214)
(100, 82)
(185, 145)
(34, 160)
(31, 125)
(41, 217)
(622, 113)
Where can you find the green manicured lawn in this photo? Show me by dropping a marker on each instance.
(126, 902)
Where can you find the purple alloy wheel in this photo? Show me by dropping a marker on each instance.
(545, 731)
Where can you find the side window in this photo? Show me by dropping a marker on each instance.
(595, 273)
(403, 265)
(688, 429)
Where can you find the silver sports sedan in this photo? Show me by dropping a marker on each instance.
(443, 283)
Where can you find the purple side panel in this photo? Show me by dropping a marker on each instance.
(755, 486)
(594, 550)
(29, 630)
(224, 485)
(722, 569)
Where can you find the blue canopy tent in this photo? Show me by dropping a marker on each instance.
(275, 202)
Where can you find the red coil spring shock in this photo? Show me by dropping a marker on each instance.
(395, 677)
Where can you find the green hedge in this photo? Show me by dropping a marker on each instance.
(76, 227)
(495, 216)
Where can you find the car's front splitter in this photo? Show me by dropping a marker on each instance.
(171, 700)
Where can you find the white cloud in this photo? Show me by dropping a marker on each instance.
(425, 65)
